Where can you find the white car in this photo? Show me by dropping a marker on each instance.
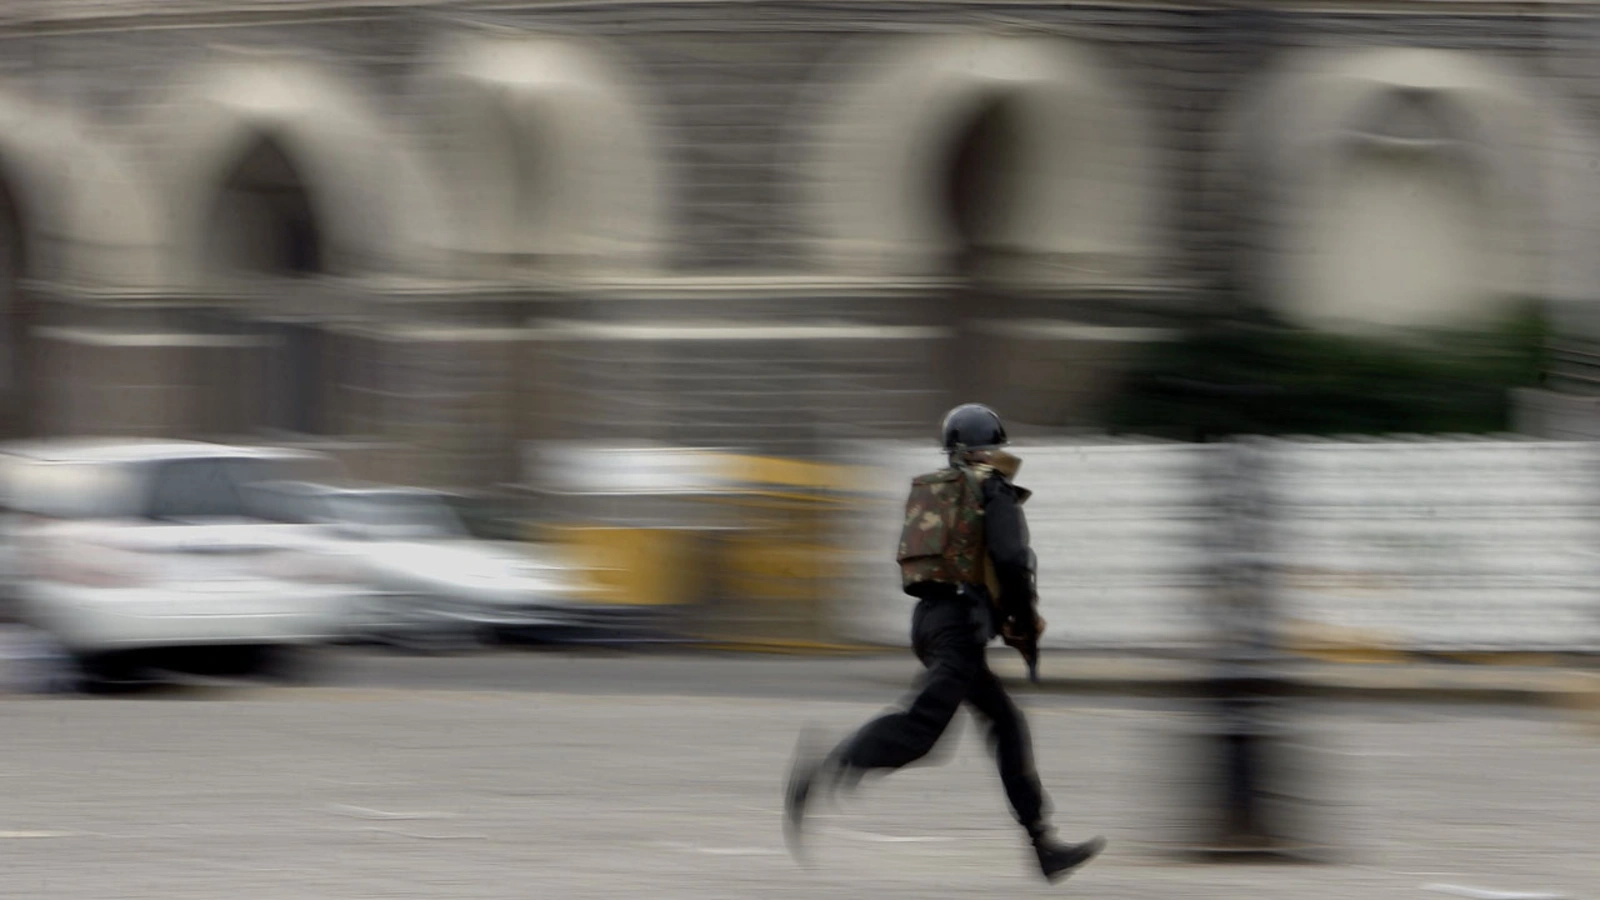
(434, 585)
(141, 554)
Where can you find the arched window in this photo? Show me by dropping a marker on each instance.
(1402, 235)
(264, 225)
(980, 184)
(1403, 189)
(16, 320)
(263, 222)
(551, 158)
(1033, 147)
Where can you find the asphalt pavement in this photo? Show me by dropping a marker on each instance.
(600, 775)
(672, 792)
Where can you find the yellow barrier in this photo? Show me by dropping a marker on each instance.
(762, 579)
(634, 566)
(777, 575)
(807, 476)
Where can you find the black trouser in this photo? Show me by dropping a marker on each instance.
(949, 632)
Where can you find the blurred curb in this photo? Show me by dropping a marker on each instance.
(789, 647)
(1566, 688)
(1397, 677)
(1569, 688)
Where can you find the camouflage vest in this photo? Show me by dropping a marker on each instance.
(942, 538)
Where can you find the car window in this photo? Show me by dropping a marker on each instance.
(168, 489)
(216, 487)
(284, 506)
(311, 468)
(194, 489)
(399, 513)
(492, 520)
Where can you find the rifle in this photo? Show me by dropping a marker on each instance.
(1027, 645)
(1030, 655)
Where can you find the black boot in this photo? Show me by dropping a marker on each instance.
(812, 774)
(1057, 860)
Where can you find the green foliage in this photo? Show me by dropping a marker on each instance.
(1259, 377)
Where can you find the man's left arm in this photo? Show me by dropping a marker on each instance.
(1006, 534)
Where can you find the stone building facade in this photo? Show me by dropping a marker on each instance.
(451, 230)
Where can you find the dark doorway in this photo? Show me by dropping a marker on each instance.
(264, 227)
(18, 384)
(980, 180)
(979, 183)
(264, 222)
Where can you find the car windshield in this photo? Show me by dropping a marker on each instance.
(211, 488)
(274, 503)
(398, 514)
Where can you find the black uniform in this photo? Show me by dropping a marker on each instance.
(950, 630)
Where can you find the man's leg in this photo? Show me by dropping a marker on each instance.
(946, 640)
(1012, 747)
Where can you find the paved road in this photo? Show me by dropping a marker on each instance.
(849, 677)
(582, 789)
(623, 672)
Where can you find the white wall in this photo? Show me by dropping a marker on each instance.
(1121, 532)
(1441, 545)
(1409, 545)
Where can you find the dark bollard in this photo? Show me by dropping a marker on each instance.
(1248, 815)
(1250, 779)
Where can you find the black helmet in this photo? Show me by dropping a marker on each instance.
(972, 426)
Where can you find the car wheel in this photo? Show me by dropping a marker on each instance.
(285, 665)
(105, 673)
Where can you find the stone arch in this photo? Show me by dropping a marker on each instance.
(377, 209)
(84, 216)
(69, 214)
(1403, 187)
(549, 156)
(1085, 167)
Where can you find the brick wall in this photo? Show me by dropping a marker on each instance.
(732, 93)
